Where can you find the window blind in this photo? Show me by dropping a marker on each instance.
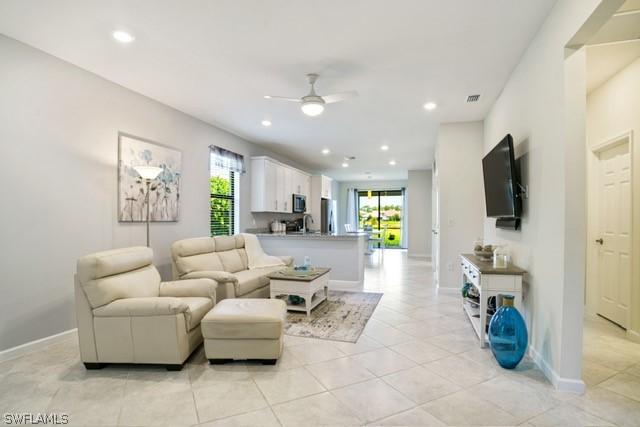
(224, 191)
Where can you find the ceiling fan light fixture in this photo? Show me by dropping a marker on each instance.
(312, 108)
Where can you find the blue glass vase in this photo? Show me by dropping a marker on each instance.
(508, 334)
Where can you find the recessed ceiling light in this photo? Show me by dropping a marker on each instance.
(267, 97)
(430, 106)
(345, 165)
(392, 162)
(384, 147)
(325, 151)
(266, 123)
(123, 36)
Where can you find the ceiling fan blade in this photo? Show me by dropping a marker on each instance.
(337, 97)
(282, 98)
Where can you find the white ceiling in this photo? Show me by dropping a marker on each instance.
(216, 59)
(614, 46)
(606, 60)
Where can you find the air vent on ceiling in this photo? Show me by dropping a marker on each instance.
(349, 157)
(473, 98)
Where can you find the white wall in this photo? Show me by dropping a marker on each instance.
(612, 110)
(461, 196)
(59, 144)
(543, 111)
(419, 213)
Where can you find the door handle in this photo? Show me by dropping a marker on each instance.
(600, 241)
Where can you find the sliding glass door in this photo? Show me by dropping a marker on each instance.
(380, 208)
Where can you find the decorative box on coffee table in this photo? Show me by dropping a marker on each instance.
(310, 285)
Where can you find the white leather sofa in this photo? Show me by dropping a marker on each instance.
(223, 259)
(125, 314)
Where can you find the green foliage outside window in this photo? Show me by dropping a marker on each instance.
(222, 209)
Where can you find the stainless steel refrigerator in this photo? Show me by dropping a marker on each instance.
(326, 216)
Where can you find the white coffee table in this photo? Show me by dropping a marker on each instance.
(313, 287)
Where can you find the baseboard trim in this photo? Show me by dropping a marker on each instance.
(21, 350)
(561, 384)
(633, 336)
(344, 284)
(426, 257)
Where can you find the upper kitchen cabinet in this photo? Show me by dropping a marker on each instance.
(322, 184)
(264, 179)
(301, 183)
(273, 185)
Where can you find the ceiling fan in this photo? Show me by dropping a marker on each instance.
(313, 104)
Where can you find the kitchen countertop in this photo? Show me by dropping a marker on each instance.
(314, 236)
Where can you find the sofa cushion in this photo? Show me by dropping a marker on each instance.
(231, 261)
(143, 282)
(198, 308)
(193, 308)
(239, 241)
(250, 280)
(194, 246)
(120, 273)
(219, 276)
(115, 261)
(245, 318)
(243, 257)
(225, 243)
(208, 261)
(148, 306)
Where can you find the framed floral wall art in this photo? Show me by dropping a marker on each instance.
(164, 194)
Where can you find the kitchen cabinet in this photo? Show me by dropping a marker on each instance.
(320, 189)
(325, 188)
(273, 184)
(301, 183)
(284, 188)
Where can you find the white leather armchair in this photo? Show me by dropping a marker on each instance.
(126, 315)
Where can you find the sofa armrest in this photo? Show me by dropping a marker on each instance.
(190, 288)
(146, 306)
(218, 276)
(288, 260)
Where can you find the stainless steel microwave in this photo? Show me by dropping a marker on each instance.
(299, 203)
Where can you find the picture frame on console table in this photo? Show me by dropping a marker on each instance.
(164, 197)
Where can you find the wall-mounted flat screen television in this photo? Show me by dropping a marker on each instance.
(501, 184)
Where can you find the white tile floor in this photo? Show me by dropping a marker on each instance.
(417, 363)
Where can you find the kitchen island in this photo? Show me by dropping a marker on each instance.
(342, 252)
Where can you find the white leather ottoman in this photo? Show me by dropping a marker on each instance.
(244, 328)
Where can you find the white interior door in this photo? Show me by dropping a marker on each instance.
(614, 218)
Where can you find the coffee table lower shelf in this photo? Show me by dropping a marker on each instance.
(313, 291)
(315, 301)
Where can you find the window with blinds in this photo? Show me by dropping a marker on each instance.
(224, 200)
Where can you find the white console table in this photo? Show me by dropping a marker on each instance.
(489, 281)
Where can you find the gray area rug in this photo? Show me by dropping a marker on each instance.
(342, 317)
